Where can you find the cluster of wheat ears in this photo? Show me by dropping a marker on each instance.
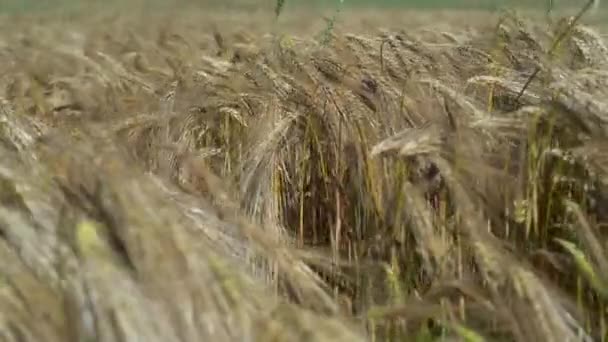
(160, 182)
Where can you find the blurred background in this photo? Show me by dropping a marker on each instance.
(16, 6)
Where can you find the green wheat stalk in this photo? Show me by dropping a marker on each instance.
(278, 8)
(325, 35)
(589, 5)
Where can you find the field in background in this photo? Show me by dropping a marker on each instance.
(206, 172)
(37, 5)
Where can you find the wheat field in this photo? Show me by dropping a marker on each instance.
(208, 174)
